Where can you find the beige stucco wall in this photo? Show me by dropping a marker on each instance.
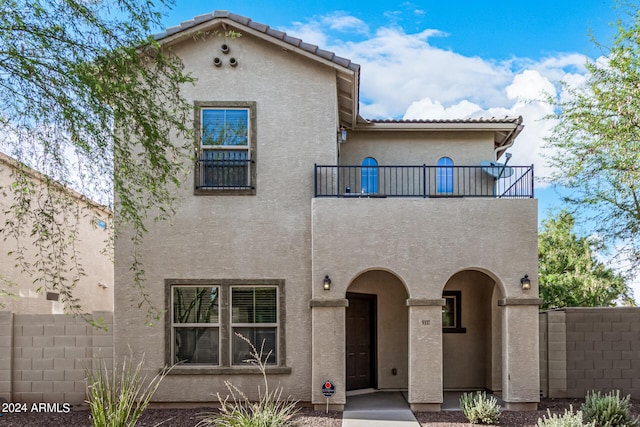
(266, 236)
(94, 289)
(425, 242)
(465, 148)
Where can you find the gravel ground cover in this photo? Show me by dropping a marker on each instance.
(306, 417)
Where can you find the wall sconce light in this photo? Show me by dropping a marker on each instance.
(342, 134)
(525, 282)
(326, 283)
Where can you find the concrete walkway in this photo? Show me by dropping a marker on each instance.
(378, 409)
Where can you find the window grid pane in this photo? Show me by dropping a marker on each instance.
(263, 339)
(254, 305)
(196, 345)
(225, 127)
(192, 304)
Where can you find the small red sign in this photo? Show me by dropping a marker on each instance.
(328, 389)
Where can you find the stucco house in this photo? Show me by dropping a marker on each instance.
(383, 254)
(87, 234)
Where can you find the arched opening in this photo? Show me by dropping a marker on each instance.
(376, 335)
(472, 333)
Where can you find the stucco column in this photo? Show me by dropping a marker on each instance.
(328, 351)
(520, 349)
(425, 354)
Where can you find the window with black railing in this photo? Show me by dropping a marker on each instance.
(444, 180)
(226, 153)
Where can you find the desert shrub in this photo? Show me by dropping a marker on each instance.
(568, 419)
(236, 410)
(118, 398)
(608, 410)
(479, 409)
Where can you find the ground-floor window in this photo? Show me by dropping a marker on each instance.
(452, 312)
(213, 322)
(254, 319)
(195, 324)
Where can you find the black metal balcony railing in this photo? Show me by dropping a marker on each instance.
(423, 181)
(223, 174)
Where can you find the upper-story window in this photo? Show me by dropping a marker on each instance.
(445, 175)
(369, 176)
(226, 161)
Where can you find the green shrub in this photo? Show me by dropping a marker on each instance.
(568, 419)
(118, 400)
(608, 410)
(236, 410)
(479, 409)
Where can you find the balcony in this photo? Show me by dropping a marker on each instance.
(423, 181)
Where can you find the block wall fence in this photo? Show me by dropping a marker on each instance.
(43, 357)
(584, 349)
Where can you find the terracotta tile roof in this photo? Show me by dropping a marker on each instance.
(243, 20)
(505, 119)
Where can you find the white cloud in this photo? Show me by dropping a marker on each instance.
(529, 86)
(428, 108)
(404, 76)
(340, 21)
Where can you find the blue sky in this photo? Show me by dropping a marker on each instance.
(489, 28)
(511, 50)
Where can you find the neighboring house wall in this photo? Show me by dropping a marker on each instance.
(49, 356)
(94, 289)
(590, 349)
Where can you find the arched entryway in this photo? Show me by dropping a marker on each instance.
(376, 335)
(472, 333)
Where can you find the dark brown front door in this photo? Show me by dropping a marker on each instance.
(360, 341)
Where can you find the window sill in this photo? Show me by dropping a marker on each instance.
(228, 370)
(454, 330)
(211, 191)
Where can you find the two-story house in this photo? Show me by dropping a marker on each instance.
(382, 254)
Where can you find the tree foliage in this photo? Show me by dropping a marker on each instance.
(596, 141)
(70, 70)
(570, 274)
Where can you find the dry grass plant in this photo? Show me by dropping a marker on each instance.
(118, 398)
(270, 410)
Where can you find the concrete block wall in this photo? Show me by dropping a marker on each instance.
(6, 341)
(49, 354)
(602, 351)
